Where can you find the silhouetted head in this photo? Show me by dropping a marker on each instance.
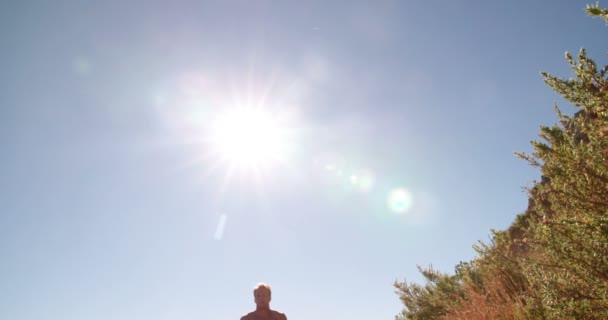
(262, 295)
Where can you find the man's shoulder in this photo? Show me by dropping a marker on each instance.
(279, 315)
(275, 315)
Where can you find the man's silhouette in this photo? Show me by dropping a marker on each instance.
(262, 295)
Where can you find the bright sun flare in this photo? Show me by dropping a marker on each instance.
(249, 138)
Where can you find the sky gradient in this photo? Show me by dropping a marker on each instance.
(113, 206)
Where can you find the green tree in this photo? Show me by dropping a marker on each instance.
(571, 204)
(552, 262)
(596, 11)
(432, 300)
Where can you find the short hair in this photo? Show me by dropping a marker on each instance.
(262, 286)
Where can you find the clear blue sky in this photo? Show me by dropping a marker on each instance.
(112, 206)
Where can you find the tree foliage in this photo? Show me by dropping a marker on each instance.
(552, 262)
(596, 11)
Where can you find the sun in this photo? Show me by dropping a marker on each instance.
(249, 138)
